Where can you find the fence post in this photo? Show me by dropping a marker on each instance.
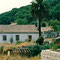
(8, 53)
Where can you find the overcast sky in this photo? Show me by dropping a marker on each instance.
(6, 5)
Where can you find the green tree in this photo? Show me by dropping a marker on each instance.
(54, 11)
(38, 10)
(21, 21)
(54, 24)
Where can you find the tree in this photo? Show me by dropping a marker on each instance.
(55, 24)
(39, 10)
(21, 21)
(40, 40)
(54, 11)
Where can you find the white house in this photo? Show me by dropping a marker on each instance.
(18, 33)
(21, 33)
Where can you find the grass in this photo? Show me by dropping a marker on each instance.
(9, 46)
(17, 57)
(58, 50)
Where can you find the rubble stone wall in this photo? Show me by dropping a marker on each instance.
(50, 55)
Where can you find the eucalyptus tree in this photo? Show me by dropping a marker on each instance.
(39, 10)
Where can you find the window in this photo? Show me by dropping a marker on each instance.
(30, 37)
(17, 37)
(4, 37)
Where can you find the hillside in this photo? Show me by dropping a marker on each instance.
(22, 15)
(19, 15)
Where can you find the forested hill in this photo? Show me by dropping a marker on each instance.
(20, 15)
(23, 16)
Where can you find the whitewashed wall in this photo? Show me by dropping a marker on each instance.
(50, 55)
(23, 37)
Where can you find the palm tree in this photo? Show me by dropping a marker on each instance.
(38, 10)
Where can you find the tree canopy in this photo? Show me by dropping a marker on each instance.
(23, 15)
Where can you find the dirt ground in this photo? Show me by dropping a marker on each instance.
(18, 57)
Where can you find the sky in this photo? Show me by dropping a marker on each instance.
(6, 5)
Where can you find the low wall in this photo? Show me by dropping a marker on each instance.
(50, 55)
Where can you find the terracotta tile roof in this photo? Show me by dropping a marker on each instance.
(46, 29)
(18, 28)
(13, 23)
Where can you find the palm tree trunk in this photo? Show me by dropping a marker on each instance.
(39, 26)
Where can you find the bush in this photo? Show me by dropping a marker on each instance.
(18, 42)
(35, 50)
(55, 47)
(57, 41)
(1, 49)
(40, 41)
(51, 45)
(11, 40)
(28, 40)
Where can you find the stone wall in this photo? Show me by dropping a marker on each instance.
(50, 55)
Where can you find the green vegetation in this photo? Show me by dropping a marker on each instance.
(56, 41)
(55, 47)
(23, 15)
(18, 42)
(40, 40)
(55, 24)
(11, 40)
(39, 11)
(19, 15)
(58, 28)
(35, 50)
(1, 49)
(43, 24)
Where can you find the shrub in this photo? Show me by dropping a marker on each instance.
(1, 49)
(35, 50)
(18, 42)
(57, 41)
(28, 40)
(51, 45)
(40, 41)
(55, 47)
(44, 47)
(11, 40)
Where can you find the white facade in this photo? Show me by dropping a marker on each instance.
(22, 37)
